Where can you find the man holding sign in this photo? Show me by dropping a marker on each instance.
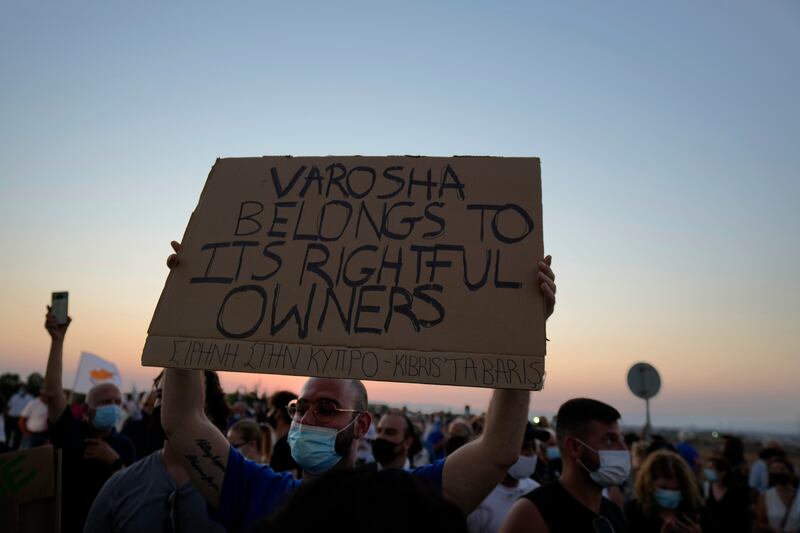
(328, 419)
(399, 269)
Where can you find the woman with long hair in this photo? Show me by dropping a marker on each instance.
(666, 496)
(251, 439)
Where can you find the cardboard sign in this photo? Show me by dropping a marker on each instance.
(94, 370)
(29, 490)
(410, 269)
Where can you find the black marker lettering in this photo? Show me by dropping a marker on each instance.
(243, 289)
(212, 279)
(249, 218)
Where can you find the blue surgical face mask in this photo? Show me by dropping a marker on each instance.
(106, 416)
(614, 469)
(668, 499)
(553, 453)
(710, 474)
(314, 447)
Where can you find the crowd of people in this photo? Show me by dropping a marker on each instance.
(185, 456)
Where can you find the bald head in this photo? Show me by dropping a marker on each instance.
(359, 395)
(349, 393)
(103, 394)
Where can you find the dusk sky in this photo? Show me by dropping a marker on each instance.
(669, 137)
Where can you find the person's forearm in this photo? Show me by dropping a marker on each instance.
(53, 390)
(505, 424)
(191, 436)
(471, 472)
(54, 371)
(183, 396)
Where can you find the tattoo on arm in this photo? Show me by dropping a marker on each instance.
(204, 445)
(195, 463)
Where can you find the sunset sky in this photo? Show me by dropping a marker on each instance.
(669, 137)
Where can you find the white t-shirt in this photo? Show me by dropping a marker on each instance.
(776, 510)
(36, 414)
(492, 512)
(17, 403)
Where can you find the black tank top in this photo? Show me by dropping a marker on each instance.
(565, 514)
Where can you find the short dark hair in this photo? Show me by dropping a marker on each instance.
(217, 408)
(574, 417)
(279, 400)
(410, 429)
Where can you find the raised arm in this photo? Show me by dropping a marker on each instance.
(476, 468)
(191, 434)
(53, 389)
(473, 470)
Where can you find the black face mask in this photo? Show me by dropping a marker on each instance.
(344, 440)
(383, 450)
(779, 479)
(272, 420)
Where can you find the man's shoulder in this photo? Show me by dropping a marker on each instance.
(241, 469)
(547, 494)
(431, 473)
(426, 470)
(250, 491)
(146, 467)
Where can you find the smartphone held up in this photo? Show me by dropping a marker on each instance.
(58, 307)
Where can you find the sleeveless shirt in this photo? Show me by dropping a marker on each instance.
(564, 514)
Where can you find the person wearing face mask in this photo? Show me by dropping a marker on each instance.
(667, 497)
(391, 446)
(727, 499)
(328, 418)
(92, 450)
(549, 465)
(594, 457)
(778, 509)
(155, 493)
(279, 420)
(492, 512)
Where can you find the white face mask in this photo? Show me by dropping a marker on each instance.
(615, 466)
(523, 468)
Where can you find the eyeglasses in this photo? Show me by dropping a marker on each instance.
(324, 410)
(600, 524)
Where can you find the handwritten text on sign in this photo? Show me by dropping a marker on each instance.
(434, 254)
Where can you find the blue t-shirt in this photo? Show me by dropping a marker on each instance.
(252, 491)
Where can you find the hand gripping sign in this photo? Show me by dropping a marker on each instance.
(409, 269)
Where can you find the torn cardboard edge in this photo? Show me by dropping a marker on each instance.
(496, 371)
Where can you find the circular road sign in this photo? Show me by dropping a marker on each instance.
(643, 380)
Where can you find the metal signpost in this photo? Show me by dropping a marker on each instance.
(644, 382)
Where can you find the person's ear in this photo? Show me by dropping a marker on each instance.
(572, 447)
(362, 424)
